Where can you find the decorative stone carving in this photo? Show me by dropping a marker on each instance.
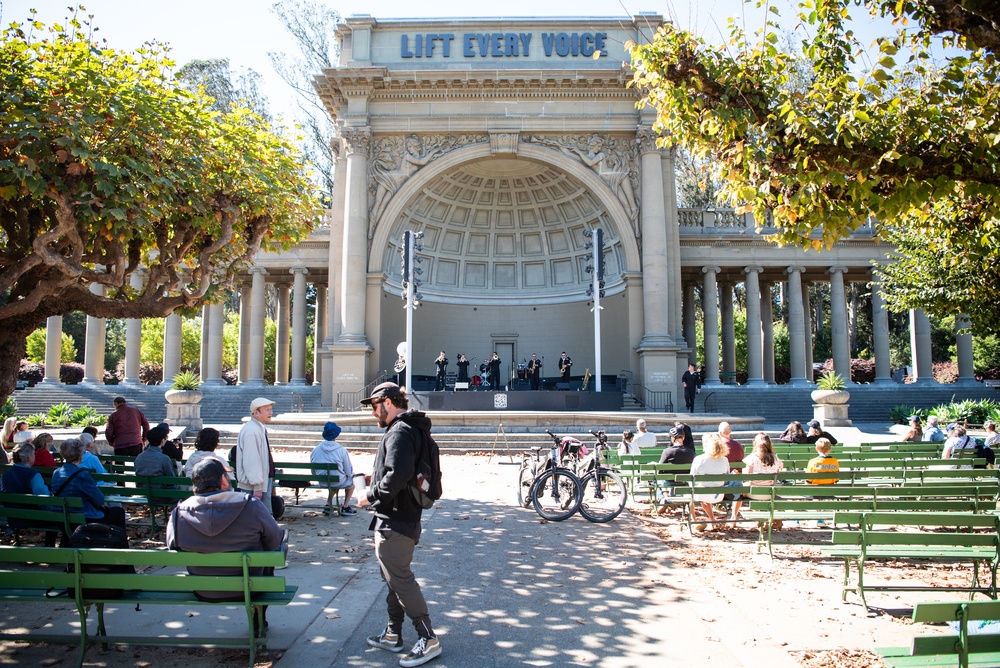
(614, 160)
(357, 140)
(504, 143)
(646, 139)
(395, 159)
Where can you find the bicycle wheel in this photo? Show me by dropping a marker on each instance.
(604, 496)
(525, 478)
(556, 495)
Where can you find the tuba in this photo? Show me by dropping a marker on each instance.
(399, 366)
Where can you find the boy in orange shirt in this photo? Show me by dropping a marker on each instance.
(824, 463)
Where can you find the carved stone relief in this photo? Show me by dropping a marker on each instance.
(613, 159)
(395, 159)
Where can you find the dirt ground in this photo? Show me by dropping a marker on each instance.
(797, 591)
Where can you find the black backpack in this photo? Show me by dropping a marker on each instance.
(984, 451)
(426, 485)
(100, 535)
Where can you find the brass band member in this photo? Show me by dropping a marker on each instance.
(494, 365)
(442, 364)
(564, 364)
(535, 371)
(463, 368)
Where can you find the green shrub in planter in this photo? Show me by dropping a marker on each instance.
(186, 380)
(831, 381)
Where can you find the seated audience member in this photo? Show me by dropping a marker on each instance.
(628, 446)
(172, 447)
(688, 435)
(824, 463)
(9, 425)
(933, 433)
(794, 433)
(218, 519)
(331, 452)
(204, 447)
(43, 457)
(72, 480)
(914, 433)
(734, 454)
(90, 460)
(151, 462)
(992, 437)
(816, 432)
(677, 452)
(712, 460)
(643, 437)
(763, 459)
(21, 478)
(957, 440)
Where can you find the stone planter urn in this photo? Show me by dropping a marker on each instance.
(830, 407)
(184, 408)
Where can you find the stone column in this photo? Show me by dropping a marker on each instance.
(728, 332)
(767, 330)
(282, 337)
(807, 334)
(173, 338)
(655, 283)
(298, 325)
(257, 303)
(676, 291)
(243, 370)
(355, 257)
(710, 306)
(880, 335)
(796, 328)
(206, 320)
(690, 326)
(755, 346)
(963, 344)
(97, 329)
(920, 346)
(319, 335)
(133, 338)
(53, 349)
(838, 323)
(213, 360)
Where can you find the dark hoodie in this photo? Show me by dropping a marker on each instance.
(222, 522)
(394, 469)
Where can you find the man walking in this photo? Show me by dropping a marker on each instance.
(397, 522)
(692, 387)
(254, 464)
(126, 429)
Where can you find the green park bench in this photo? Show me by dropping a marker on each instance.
(879, 537)
(41, 513)
(304, 475)
(969, 649)
(147, 491)
(25, 578)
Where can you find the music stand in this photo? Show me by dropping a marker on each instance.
(501, 432)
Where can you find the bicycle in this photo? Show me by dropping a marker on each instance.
(556, 492)
(604, 492)
(531, 464)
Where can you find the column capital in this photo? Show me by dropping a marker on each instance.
(713, 270)
(298, 270)
(753, 268)
(835, 270)
(794, 270)
(646, 138)
(357, 140)
(257, 270)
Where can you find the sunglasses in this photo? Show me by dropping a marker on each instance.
(377, 402)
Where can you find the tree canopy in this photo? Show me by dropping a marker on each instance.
(906, 131)
(109, 167)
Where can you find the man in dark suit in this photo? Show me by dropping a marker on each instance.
(535, 371)
(564, 365)
(494, 365)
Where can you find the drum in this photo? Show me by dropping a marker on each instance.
(477, 381)
(522, 371)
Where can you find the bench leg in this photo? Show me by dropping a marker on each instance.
(861, 583)
(847, 580)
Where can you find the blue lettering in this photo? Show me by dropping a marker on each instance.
(429, 45)
(419, 48)
(587, 44)
(404, 49)
(484, 44)
(575, 44)
(525, 40)
(446, 44)
(511, 44)
(467, 49)
(562, 44)
(599, 43)
(496, 44)
(547, 39)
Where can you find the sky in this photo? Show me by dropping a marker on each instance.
(246, 30)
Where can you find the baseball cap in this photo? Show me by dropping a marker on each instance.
(813, 424)
(208, 472)
(951, 426)
(385, 390)
(914, 418)
(676, 432)
(259, 402)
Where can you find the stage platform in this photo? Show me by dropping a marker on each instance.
(517, 401)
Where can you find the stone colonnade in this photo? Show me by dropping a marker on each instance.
(291, 319)
(717, 293)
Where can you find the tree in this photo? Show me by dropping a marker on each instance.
(109, 167)
(35, 347)
(914, 143)
(216, 79)
(312, 25)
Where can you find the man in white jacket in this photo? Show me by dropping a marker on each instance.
(331, 452)
(254, 464)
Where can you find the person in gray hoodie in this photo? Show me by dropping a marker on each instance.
(217, 519)
(331, 452)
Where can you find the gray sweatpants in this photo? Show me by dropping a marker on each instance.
(394, 552)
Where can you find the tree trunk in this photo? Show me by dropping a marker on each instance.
(12, 342)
